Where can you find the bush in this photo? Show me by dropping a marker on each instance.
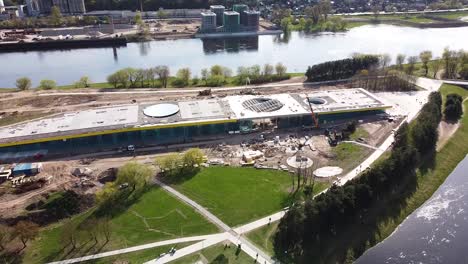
(83, 82)
(47, 84)
(23, 83)
(453, 107)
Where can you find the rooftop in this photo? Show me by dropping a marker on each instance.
(160, 114)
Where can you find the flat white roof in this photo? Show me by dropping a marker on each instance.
(228, 108)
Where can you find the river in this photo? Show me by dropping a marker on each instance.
(296, 51)
(437, 232)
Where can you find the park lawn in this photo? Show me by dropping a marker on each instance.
(263, 237)
(165, 217)
(359, 133)
(240, 195)
(207, 255)
(348, 155)
(138, 257)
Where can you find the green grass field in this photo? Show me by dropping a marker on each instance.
(155, 216)
(263, 237)
(452, 15)
(349, 155)
(240, 195)
(208, 255)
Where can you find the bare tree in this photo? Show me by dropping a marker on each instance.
(412, 60)
(425, 57)
(163, 74)
(25, 231)
(400, 59)
(385, 60)
(436, 65)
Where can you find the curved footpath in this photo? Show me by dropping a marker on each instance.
(234, 235)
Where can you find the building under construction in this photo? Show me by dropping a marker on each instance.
(164, 123)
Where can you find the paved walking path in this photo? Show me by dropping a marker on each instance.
(137, 248)
(235, 235)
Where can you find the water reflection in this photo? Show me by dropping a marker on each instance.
(116, 56)
(230, 45)
(283, 38)
(144, 47)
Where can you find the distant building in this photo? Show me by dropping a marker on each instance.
(65, 6)
(239, 8)
(2, 6)
(12, 12)
(33, 7)
(252, 20)
(208, 22)
(231, 21)
(219, 11)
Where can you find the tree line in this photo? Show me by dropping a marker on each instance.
(341, 69)
(306, 229)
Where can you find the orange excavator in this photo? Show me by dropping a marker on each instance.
(314, 116)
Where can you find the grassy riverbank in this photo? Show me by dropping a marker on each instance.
(385, 215)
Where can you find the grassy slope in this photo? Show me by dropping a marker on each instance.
(240, 195)
(209, 254)
(349, 155)
(428, 182)
(168, 217)
(263, 237)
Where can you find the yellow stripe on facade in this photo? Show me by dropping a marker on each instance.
(115, 131)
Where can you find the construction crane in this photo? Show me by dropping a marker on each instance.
(314, 117)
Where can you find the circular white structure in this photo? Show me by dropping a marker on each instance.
(326, 172)
(161, 110)
(317, 100)
(299, 162)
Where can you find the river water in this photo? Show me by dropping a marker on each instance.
(437, 232)
(296, 51)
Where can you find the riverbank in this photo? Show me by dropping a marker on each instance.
(63, 44)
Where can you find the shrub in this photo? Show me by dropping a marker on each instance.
(83, 82)
(453, 107)
(23, 83)
(47, 84)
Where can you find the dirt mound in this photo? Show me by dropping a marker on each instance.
(50, 101)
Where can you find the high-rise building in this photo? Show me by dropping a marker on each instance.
(65, 6)
(252, 20)
(208, 21)
(219, 11)
(240, 8)
(2, 6)
(33, 7)
(70, 6)
(231, 21)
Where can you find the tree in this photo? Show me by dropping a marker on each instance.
(425, 57)
(183, 76)
(268, 70)
(453, 107)
(6, 235)
(376, 11)
(220, 259)
(192, 157)
(450, 58)
(25, 231)
(47, 84)
(123, 77)
(140, 75)
(55, 16)
(412, 60)
(134, 174)
(23, 83)
(83, 82)
(280, 69)
(385, 60)
(204, 74)
(325, 8)
(107, 193)
(170, 162)
(138, 20)
(163, 74)
(400, 59)
(216, 70)
(150, 75)
(113, 79)
(436, 65)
